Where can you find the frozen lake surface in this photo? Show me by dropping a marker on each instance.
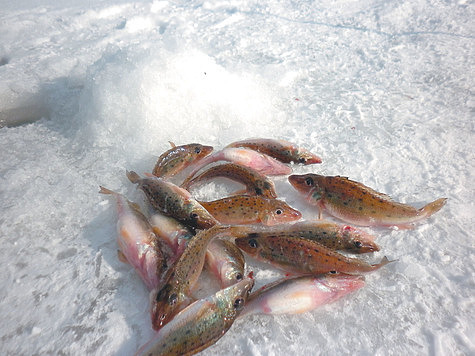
(381, 90)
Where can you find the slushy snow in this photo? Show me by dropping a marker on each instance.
(381, 90)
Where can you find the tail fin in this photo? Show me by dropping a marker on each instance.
(433, 207)
(104, 190)
(133, 177)
(384, 262)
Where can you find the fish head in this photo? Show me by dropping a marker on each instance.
(306, 157)
(308, 184)
(358, 240)
(164, 306)
(279, 212)
(232, 299)
(251, 244)
(200, 217)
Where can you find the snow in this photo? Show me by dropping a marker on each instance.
(381, 90)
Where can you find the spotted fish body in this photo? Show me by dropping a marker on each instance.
(331, 235)
(300, 294)
(262, 163)
(201, 324)
(178, 158)
(302, 256)
(255, 182)
(244, 209)
(226, 261)
(281, 150)
(181, 279)
(174, 201)
(138, 244)
(355, 203)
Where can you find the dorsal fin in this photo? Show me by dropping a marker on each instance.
(367, 189)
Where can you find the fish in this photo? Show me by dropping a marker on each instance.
(182, 277)
(358, 204)
(329, 234)
(226, 261)
(177, 158)
(281, 150)
(172, 231)
(302, 256)
(138, 244)
(200, 324)
(245, 209)
(174, 201)
(255, 182)
(300, 294)
(262, 163)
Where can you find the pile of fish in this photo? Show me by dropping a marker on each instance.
(170, 242)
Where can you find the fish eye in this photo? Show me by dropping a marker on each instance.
(309, 181)
(238, 303)
(194, 215)
(302, 160)
(333, 272)
(197, 150)
(172, 299)
(238, 276)
(278, 211)
(358, 244)
(253, 243)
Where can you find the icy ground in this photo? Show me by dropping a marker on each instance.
(381, 89)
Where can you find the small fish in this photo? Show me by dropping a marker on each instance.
(174, 201)
(302, 256)
(281, 150)
(226, 261)
(182, 277)
(178, 158)
(201, 324)
(262, 163)
(172, 231)
(331, 235)
(300, 294)
(255, 182)
(245, 209)
(356, 203)
(138, 244)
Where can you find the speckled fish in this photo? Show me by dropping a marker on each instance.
(138, 244)
(331, 235)
(255, 182)
(173, 201)
(178, 158)
(201, 324)
(245, 209)
(281, 150)
(172, 231)
(356, 203)
(182, 277)
(300, 294)
(262, 163)
(301, 256)
(226, 261)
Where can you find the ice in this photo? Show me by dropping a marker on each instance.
(381, 90)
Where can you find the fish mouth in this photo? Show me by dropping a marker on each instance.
(298, 182)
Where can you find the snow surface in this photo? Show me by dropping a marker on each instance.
(381, 90)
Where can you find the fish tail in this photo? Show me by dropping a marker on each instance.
(433, 207)
(384, 261)
(133, 177)
(104, 190)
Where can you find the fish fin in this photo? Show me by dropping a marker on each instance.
(433, 207)
(133, 177)
(172, 144)
(367, 189)
(384, 261)
(122, 257)
(104, 190)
